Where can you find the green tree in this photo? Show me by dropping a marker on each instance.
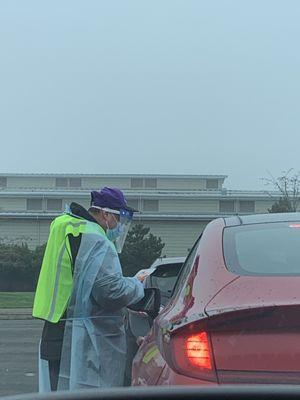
(37, 258)
(19, 267)
(140, 250)
(280, 206)
(287, 187)
(15, 268)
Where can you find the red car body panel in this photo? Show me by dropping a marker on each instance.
(186, 304)
(253, 291)
(252, 322)
(266, 338)
(193, 297)
(171, 378)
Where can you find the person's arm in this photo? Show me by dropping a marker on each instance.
(111, 290)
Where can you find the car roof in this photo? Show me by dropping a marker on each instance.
(261, 218)
(167, 260)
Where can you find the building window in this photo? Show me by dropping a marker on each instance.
(75, 182)
(212, 184)
(34, 205)
(150, 183)
(3, 181)
(247, 206)
(61, 182)
(226, 206)
(134, 203)
(136, 182)
(150, 205)
(54, 204)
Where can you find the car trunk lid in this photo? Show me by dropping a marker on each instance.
(254, 326)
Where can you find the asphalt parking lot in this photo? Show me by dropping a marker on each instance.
(19, 356)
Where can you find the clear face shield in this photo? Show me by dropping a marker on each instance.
(124, 226)
(119, 233)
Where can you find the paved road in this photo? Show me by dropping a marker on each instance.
(18, 356)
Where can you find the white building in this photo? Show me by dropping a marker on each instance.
(175, 207)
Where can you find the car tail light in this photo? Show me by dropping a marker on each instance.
(197, 350)
(189, 353)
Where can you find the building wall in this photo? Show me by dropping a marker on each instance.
(30, 182)
(12, 204)
(178, 236)
(261, 206)
(84, 201)
(18, 231)
(180, 184)
(94, 183)
(124, 182)
(171, 205)
(188, 206)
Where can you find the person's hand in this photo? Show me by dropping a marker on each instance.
(140, 340)
(142, 276)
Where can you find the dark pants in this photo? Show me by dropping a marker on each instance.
(51, 346)
(54, 373)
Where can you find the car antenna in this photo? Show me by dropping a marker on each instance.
(239, 218)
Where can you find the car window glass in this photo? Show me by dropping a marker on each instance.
(263, 249)
(164, 278)
(186, 268)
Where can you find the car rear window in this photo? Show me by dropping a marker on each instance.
(263, 249)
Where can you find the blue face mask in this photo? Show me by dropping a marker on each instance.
(116, 232)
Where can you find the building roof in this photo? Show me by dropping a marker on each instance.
(66, 175)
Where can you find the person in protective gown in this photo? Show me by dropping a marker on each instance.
(80, 294)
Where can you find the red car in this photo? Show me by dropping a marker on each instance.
(234, 316)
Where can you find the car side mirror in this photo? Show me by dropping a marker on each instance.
(149, 304)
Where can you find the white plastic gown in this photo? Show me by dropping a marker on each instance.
(94, 346)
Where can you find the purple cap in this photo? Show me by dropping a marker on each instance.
(110, 198)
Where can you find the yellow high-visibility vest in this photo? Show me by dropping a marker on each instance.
(55, 281)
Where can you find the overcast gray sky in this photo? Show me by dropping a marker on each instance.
(165, 86)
